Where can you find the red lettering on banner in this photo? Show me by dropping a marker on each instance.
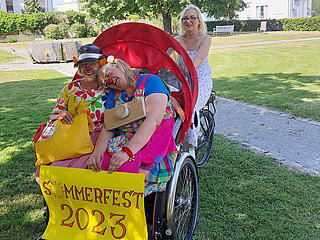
(118, 223)
(47, 191)
(105, 196)
(88, 194)
(138, 195)
(101, 221)
(68, 191)
(115, 198)
(128, 203)
(63, 222)
(79, 192)
(77, 218)
(96, 195)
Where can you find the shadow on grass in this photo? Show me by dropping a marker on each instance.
(24, 106)
(293, 93)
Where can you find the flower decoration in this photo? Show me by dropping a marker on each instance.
(75, 59)
(102, 62)
(110, 59)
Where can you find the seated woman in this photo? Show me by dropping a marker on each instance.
(145, 146)
(87, 90)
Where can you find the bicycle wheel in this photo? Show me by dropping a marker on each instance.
(186, 202)
(206, 137)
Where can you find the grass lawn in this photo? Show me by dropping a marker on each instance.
(6, 57)
(283, 76)
(241, 38)
(242, 195)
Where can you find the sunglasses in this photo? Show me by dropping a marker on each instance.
(191, 19)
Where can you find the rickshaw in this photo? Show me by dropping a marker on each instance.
(171, 214)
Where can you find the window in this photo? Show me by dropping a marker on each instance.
(261, 11)
(9, 5)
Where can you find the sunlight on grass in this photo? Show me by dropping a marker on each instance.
(8, 57)
(6, 154)
(279, 76)
(3, 109)
(15, 76)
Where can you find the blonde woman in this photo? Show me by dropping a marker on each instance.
(145, 146)
(197, 43)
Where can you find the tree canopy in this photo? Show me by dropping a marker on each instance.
(32, 6)
(315, 8)
(106, 11)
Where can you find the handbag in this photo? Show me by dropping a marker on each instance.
(125, 113)
(56, 141)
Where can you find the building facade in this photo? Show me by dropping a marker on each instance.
(17, 6)
(276, 9)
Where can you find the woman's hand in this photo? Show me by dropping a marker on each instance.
(178, 109)
(117, 160)
(65, 117)
(95, 161)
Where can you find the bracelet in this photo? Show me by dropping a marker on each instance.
(128, 152)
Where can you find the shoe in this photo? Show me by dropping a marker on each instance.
(192, 152)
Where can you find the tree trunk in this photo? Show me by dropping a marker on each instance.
(166, 22)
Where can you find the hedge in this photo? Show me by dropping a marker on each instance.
(301, 24)
(295, 24)
(15, 23)
(239, 25)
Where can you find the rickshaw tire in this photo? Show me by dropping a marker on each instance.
(185, 191)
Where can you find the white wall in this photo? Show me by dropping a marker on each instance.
(276, 9)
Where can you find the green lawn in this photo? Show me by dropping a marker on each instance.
(283, 76)
(6, 57)
(253, 37)
(243, 195)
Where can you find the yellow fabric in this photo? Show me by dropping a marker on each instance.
(69, 140)
(88, 205)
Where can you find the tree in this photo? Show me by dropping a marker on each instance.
(315, 8)
(32, 6)
(106, 11)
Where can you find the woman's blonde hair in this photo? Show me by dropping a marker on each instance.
(202, 26)
(124, 67)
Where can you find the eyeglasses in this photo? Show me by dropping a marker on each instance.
(191, 19)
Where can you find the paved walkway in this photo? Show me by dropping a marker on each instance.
(290, 140)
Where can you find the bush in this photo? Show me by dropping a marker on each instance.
(64, 30)
(75, 17)
(78, 30)
(301, 24)
(52, 31)
(91, 32)
(11, 40)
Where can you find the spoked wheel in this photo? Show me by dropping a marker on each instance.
(186, 201)
(206, 137)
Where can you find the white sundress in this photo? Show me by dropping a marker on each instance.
(204, 73)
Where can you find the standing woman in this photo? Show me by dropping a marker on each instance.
(197, 43)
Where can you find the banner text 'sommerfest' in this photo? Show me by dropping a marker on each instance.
(84, 204)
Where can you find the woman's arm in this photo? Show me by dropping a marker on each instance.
(203, 51)
(96, 158)
(156, 104)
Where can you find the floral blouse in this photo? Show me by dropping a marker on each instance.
(94, 97)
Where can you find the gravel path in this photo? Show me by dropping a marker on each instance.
(290, 140)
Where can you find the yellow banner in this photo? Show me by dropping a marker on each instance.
(85, 205)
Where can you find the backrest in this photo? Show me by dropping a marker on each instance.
(263, 26)
(144, 46)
